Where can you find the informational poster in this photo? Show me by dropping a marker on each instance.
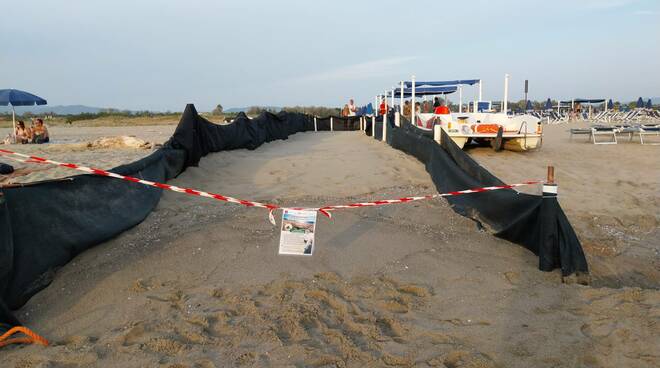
(297, 232)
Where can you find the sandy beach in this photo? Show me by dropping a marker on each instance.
(200, 284)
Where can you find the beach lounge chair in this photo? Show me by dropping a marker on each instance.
(579, 131)
(649, 130)
(603, 131)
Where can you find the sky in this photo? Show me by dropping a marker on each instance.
(160, 55)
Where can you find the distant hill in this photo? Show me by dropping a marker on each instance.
(57, 109)
(244, 109)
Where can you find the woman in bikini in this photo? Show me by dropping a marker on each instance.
(22, 133)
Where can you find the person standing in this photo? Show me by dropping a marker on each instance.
(382, 110)
(406, 109)
(352, 110)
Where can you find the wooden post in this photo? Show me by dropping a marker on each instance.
(373, 126)
(550, 187)
(331, 125)
(384, 138)
(316, 129)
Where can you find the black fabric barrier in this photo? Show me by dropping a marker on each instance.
(339, 123)
(79, 212)
(536, 222)
(82, 211)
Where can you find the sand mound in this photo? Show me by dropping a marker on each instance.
(118, 142)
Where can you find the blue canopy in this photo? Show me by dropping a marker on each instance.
(548, 104)
(649, 104)
(640, 103)
(15, 97)
(443, 83)
(529, 106)
(424, 91)
(610, 104)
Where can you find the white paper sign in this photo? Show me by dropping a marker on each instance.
(297, 232)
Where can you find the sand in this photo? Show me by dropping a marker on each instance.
(200, 284)
(610, 193)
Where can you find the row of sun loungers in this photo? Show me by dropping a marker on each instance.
(639, 116)
(604, 134)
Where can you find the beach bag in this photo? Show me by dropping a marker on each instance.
(6, 169)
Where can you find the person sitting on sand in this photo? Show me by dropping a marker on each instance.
(21, 134)
(40, 133)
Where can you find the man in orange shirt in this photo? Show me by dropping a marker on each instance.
(383, 107)
(441, 110)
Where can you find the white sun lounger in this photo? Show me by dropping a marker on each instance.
(603, 131)
(646, 130)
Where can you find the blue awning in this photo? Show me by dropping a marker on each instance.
(424, 91)
(443, 83)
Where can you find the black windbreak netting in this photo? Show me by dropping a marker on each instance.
(86, 210)
(536, 222)
(338, 123)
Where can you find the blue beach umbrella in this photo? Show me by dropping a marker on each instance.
(649, 104)
(15, 97)
(640, 103)
(610, 104)
(548, 104)
(529, 106)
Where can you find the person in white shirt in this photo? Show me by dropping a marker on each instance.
(351, 108)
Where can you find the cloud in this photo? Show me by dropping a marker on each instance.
(360, 71)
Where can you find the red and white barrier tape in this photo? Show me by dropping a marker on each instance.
(271, 207)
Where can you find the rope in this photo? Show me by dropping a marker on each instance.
(32, 337)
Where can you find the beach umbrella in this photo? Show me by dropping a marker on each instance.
(640, 103)
(548, 104)
(610, 104)
(529, 106)
(649, 104)
(15, 97)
